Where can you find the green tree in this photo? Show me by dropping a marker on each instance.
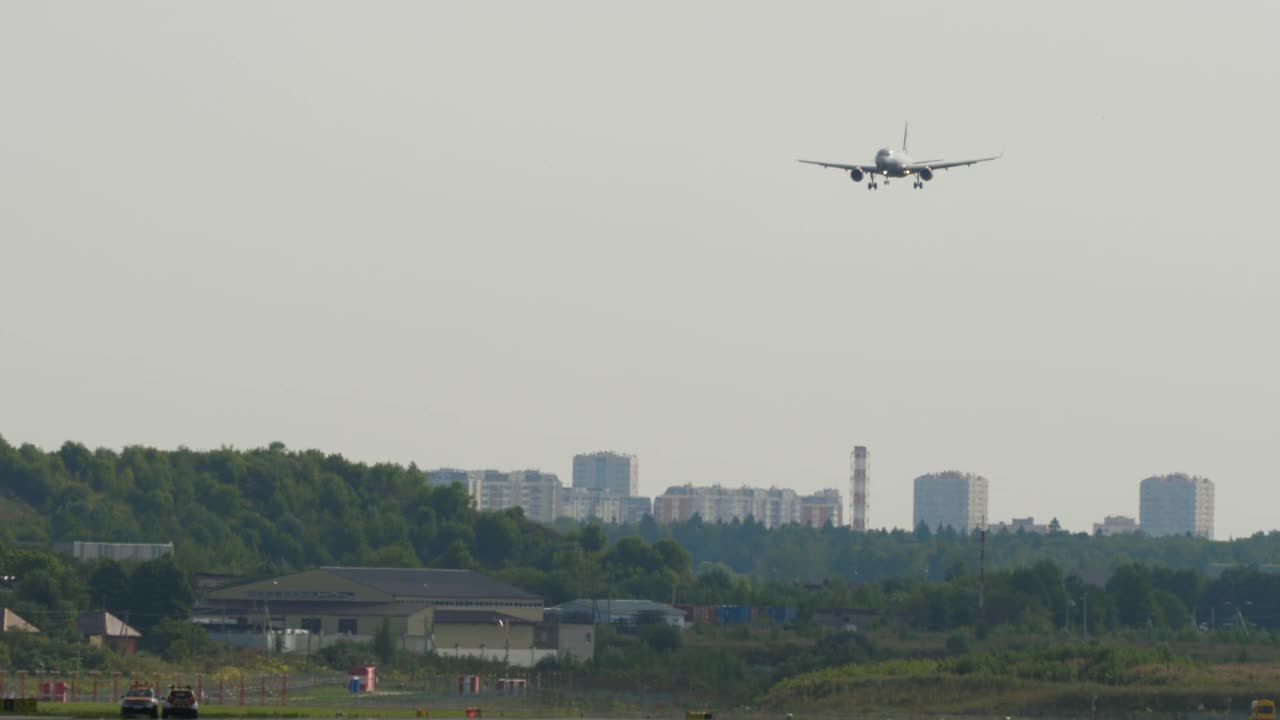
(593, 538)
(497, 539)
(109, 586)
(384, 644)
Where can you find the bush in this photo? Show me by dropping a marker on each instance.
(958, 643)
(662, 637)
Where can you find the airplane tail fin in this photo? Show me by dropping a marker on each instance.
(905, 127)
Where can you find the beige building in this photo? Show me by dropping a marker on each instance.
(537, 493)
(1116, 525)
(772, 508)
(821, 508)
(604, 505)
(446, 611)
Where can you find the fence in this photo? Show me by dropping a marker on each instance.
(52, 686)
(333, 688)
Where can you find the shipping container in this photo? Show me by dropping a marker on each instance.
(733, 614)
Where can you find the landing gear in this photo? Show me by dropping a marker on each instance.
(872, 185)
(919, 185)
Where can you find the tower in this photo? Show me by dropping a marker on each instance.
(860, 488)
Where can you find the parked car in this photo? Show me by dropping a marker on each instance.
(181, 702)
(140, 700)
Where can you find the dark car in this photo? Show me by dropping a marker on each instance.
(140, 700)
(181, 702)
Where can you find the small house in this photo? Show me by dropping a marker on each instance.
(102, 629)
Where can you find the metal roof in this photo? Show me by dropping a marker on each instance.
(104, 623)
(477, 617)
(617, 607)
(432, 583)
(313, 607)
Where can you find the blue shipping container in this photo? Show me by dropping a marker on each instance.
(734, 614)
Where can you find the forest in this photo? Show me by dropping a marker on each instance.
(266, 511)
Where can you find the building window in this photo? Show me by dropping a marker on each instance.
(311, 625)
(348, 626)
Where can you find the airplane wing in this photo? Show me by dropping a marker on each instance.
(863, 168)
(944, 164)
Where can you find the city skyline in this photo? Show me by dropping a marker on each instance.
(497, 235)
(1112, 522)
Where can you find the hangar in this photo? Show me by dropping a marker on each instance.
(451, 612)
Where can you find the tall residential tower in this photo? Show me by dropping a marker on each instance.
(615, 472)
(1176, 504)
(951, 499)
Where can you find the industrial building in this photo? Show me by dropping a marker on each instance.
(446, 611)
(124, 552)
(1176, 504)
(950, 500)
(608, 611)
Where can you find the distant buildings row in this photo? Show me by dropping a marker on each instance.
(606, 486)
(1169, 505)
(772, 508)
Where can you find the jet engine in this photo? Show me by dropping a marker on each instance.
(856, 174)
(926, 174)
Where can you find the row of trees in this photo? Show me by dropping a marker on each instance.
(241, 511)
(270, 510)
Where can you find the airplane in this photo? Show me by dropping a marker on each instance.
(892, 164)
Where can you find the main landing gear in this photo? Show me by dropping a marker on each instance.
(919, 185)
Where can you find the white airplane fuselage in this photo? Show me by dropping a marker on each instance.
(892, 163)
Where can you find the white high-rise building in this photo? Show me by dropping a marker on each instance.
(1176, 504)
(606, 470)
(950, 499)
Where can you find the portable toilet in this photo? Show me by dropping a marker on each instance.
(366, 676)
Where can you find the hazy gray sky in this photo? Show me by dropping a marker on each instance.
(498, 234)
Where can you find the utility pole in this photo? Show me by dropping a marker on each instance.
(982, 575)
